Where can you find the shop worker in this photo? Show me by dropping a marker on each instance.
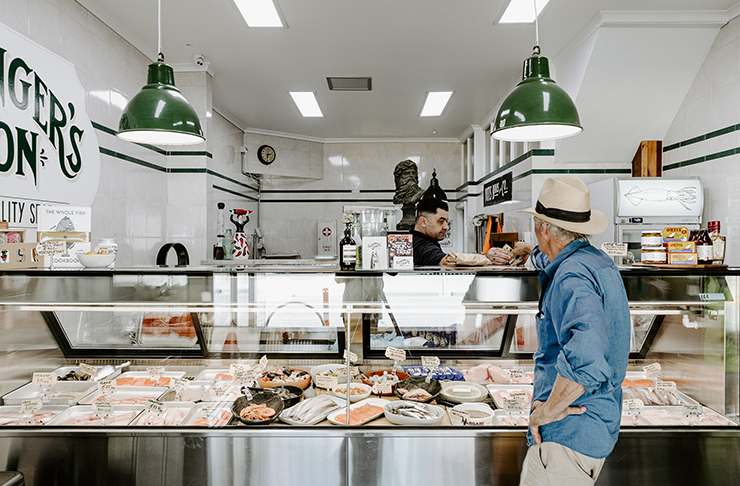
(431, 227)
(583, 334)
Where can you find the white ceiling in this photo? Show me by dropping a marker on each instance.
(408, 47)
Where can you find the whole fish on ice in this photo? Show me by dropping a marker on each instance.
(685, 196)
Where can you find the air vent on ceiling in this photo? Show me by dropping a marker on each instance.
(350, 84)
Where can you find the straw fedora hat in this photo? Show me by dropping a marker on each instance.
(566, 202)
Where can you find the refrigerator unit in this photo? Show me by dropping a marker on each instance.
(638, 204)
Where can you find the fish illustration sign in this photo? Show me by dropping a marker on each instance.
(49, 153)
(651, 196)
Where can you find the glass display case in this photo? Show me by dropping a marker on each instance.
(197, 323)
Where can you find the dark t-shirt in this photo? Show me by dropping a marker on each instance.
(427, 252)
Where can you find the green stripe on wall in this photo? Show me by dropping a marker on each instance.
(701, 138)
(518, 160)
(703, 158)
(128, 158)
(168, 153)
(223, 189)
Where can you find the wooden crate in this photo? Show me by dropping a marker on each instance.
(4, 232)
(19, 256)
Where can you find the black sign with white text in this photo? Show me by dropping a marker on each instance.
(498, 190)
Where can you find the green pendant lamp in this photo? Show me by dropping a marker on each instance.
(159, 114)
(537, 109)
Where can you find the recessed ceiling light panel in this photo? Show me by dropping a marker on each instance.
(350, 84)
(260, 13)
(435, 103)
(521, 11)
(306, 103)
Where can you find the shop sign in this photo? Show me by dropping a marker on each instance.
(49, 153)
(498, 190)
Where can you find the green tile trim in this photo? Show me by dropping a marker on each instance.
(703, 158)
(174, 153)
(223, 189)
(701, 138)
(134, 160)
(200, 170)
(518, 160)
(302, 201)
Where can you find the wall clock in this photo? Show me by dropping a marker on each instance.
(266, 154)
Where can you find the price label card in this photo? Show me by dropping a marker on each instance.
(515, 374)
(179, 384)
(462, 415)
(209, 414)
(652, 369)
(156, 372)
(352, 356)
(665, 386)
(88, 369)
(382, 388)
(323, 381)
(31, 406)
(48, 248)
(102, 408)
(107, 386)
(395, 354)
(632, 407)
(44, 379)
(430, 361)
(513, 405)
(353, 371)
(155, 406)
(263, 363)
(218, 391)
(236, 369)
(614, 249)
(692, 411)
(521, 396)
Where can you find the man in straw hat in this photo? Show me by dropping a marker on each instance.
(583, 333)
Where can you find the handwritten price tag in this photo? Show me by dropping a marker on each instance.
(352, 356)
(323, 381)
(461, 415)
(614, 249)
(155, 372)
(513, 405)
(44, 379)
(515, 374)
(107, 386)
(395, 354)
(31, 406)
(263, 363)
(179, 384)
(652, 369)
(692, 411)
(218, 391)
(382, 388)
(155, 406)
(88, 369)
(51, 248)
(102, 408)
(665, 386)
(430, 361)
(236, 369)
(521, 396)
(209, 414)
(632, 406)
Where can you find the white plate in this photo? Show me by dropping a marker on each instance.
(126, 392)
(401, 420)
(493, 388)
(367, 391)
(321, 418)
(326, 367)
(376, 402)
(463, 391)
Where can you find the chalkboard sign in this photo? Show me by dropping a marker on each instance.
(498, 190)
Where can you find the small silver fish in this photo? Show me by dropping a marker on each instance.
(684, 196)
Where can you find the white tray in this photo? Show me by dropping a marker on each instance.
(402, 420)
(124, 392)
(687, 400)
(493, 388)
(16, 410)
(498, 415)
(210, 374)
(340, 403)
(80, 411)
(653, 415)
(144, 374)
(184, 408)
(326, 367)
(376, 402)
(63, 370)
(194, 392)
(194, 414)
(72, 391)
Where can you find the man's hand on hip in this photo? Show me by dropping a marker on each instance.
(541, 416)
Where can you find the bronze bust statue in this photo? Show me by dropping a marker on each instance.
(408, 192)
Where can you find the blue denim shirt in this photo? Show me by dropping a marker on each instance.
(583, 334)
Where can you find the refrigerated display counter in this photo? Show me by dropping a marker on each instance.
(186, 332)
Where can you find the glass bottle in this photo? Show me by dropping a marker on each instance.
(358, 242)
(718, 243)
(385, 226)
(347, 250)
(704, 250)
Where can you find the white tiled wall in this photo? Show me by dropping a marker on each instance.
(713, 103)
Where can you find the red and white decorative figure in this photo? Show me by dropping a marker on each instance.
(240, 217)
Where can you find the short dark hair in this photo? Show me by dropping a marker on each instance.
(429, 207)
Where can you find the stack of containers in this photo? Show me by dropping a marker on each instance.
(680, 250)
(653, 250)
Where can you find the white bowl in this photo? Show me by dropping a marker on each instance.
(341, 391)
(470, 407)
(97, 260)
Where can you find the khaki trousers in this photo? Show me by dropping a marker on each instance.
(551, 464)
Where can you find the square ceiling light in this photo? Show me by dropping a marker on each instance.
(306, 103)
(350, 84)
(435, 103)
(521, 11)
(260, 13)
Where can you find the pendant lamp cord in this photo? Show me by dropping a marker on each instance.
(160, 56)
(536, 48)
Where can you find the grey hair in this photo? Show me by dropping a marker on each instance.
(561, 235)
